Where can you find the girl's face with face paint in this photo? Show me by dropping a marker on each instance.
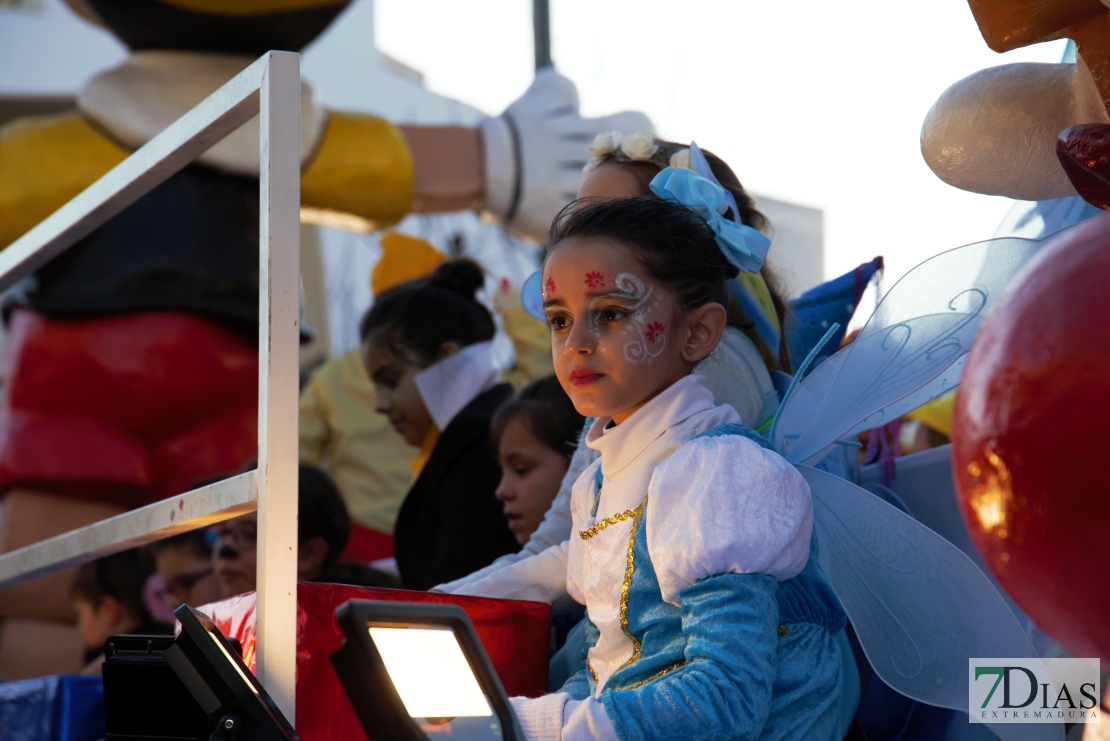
(618, 337)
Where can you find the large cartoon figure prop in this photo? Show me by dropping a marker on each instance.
(1030, 449)
(1029, 131)
(1029, 425)
(131, 366)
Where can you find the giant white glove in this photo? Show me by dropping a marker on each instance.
(536, 149)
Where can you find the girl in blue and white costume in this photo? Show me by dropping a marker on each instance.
(692, 544)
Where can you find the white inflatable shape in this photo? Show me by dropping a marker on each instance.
(995, 131)
(135, 101)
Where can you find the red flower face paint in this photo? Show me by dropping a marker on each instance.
(595, 279)
(549, 285)
(654, 331)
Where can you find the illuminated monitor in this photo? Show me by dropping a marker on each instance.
(226, 690)
(417, 672)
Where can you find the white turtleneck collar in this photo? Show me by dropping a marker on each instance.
(620, 444)
(452, 383)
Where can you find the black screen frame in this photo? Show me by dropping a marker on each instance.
(220, 682)
(364, 676)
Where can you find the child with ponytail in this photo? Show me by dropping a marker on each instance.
(428, 350)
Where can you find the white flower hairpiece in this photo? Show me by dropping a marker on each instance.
(639, 146)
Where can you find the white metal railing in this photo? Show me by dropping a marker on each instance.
(271, 89)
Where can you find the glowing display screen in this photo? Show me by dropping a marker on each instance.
(430, 672)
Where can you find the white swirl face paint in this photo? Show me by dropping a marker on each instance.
(639, 331)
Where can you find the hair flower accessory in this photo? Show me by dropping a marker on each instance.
(639, 146)
(681, 158)
(605, 144)
(742, 246)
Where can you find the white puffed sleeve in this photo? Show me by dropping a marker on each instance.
(723, 505)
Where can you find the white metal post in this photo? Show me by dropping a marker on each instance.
(270, 88)
(278, 376)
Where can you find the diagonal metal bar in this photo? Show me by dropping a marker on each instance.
(205, 506)
(182, 142)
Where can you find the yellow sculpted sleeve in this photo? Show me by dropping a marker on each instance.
(44, 162)
(362, 167)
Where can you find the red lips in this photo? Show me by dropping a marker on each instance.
(584, 376)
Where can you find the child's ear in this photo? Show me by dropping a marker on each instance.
(705, 327)
(110, 611)
(447, 349)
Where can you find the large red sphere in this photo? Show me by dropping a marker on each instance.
(1031, 440)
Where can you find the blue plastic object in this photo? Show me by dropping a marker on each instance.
(59, 708)
(812, 313)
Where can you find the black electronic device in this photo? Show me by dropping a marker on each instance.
(417, 672)
(209, 666)
(143, 698)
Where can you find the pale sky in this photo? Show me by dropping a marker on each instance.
(814, 102)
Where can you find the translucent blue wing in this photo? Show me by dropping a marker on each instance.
(910, 351)
(920, 607)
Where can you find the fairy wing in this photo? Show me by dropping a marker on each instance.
(920, 607)
(910, 351)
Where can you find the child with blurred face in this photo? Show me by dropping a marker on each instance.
(323, 527)
(534, 435)
(428, 349)
(185, 565)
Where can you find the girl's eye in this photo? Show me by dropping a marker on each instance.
(610, 315)
(557, 322)
(521, 471)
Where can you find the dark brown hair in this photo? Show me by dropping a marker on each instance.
(547, 410)
(416, 318)
(749, 215)
(195, 541)
(673, 242)
(121, 576)
(321, 512)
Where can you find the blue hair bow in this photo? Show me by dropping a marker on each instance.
(743, 246)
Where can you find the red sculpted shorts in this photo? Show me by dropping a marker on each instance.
(127, 409)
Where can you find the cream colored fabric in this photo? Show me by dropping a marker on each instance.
(135, 101)
(630, 453)
(556, 717)
(341, 432)
(726, 505)
(448, 386)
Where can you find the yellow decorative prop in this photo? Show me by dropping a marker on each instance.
(404, 258)
(937, 414)
(362, 167)
(642, 682)
(639, 513)
(44, 162)
(598, 527)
